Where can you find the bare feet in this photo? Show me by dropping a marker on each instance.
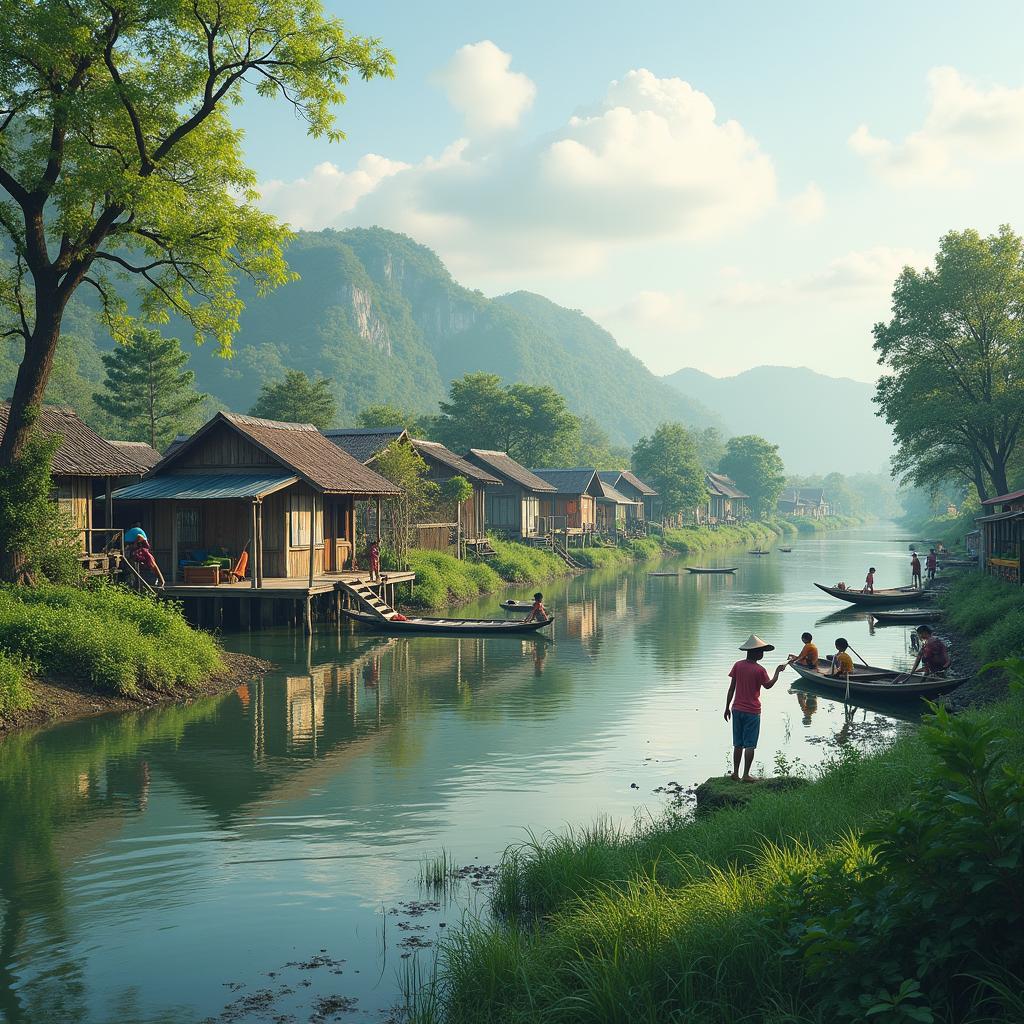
(748, 778)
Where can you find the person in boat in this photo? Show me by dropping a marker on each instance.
(869, 581)
(374, 560)
(842, 663)
(743, 703)
(933, 655)
(931, 564)
(538, 611)
(808, 655)
(915, 570)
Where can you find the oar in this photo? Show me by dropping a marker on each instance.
(862, 661)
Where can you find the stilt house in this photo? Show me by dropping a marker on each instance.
(512, 507)
(1002, 536)
(572, 509)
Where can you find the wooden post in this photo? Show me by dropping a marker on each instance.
(307, 615)
(174, 542)
(312, 536)
(110, 506)
(253, 556)
(259, 544)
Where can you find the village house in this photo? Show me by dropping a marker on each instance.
(1002, 536)
(86, 467)
(726, 503)
(572, 508)
(803, 501)
(633, 487)
(367, 444)
(512, 507)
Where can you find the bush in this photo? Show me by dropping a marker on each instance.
(118, 641)
(13, 693)
(989, 611)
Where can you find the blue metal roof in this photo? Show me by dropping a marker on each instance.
(204, 487)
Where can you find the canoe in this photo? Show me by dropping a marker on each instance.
(759, 552)
(911, 616)
(516, 606)
(879, 682)
(785, 551)
(663, 574)
(422, 624)
(709, 572)
(898, 595)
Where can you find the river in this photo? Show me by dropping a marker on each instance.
(249, 856)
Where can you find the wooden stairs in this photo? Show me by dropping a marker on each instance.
(365, 595)
(562, 550)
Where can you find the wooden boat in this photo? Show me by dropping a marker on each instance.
(515, 606)
(663, 574)
(879, 682)
(700, 571)
(422, 624)
(785, 551)
(898, 595)
(908, 616)
(759, 552)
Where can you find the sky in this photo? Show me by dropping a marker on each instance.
(720, 186)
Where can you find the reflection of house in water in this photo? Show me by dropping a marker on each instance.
(580, 619)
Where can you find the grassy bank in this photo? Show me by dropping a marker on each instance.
(108, 638)
(987, 611)
(887, 889)
(694, 540)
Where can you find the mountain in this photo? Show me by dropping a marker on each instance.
(820, 423)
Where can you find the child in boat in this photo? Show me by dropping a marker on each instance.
(915, 570)
(808, 655)
(933, 655)
(374, 560)
(748, 676)
(842, 663)
(538, 611)
(869, 581)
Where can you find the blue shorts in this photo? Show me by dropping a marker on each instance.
(746, 727)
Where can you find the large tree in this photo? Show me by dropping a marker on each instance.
(148, 390)
(669, 462)
(757, 468)
(954, 352)
(297, 399)
(122, 170)
(529, 421)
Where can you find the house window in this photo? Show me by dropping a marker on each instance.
(501, 510)
(300, 507)
(188, 526)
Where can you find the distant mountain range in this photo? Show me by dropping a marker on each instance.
(820, 423)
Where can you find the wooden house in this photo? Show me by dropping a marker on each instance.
(1002, 536)
(85, 467)
(641, 508)
(726, 502)
(618, 514)
(572, 508)
(512, 507)
(282, 490)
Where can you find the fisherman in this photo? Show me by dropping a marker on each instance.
(842, 663)
(933, 655)
(808, 656)
(375, 560)
(869, 581)
(915, 570)
(538, 611)
(931, 563)
(748, 677)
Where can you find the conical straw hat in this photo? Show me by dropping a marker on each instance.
(755, 643)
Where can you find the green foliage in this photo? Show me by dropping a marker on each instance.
(297, 399)
(14, 695)
(115, 640)
(520, 563)
(691, 540)
(669, 462)
(456, 490)
(954, 352)
(710, 447)
(757, 468)
(384, 414)
(402, 465)
(989, 611)
(147, 390)
(529, 421)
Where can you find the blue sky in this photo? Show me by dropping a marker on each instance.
(744, 194)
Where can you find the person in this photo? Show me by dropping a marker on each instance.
(915, 569)
(142, 555)
(808, 655)
(538, 611)
(842, 663)
(869, 581)
(374, 560)
(808, 705)
(747, 679)
(933, 655)
(133, 534)
(931, 563)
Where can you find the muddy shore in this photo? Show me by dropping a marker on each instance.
(64, 700)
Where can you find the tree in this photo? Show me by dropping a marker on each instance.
(384, 415)
(457, 490)
(403, 466)
(757, 468)
(710, 447)
(120, 163)
(529, 421)
(147, 390)
(954, 352)
(297, 399)
(668, 461)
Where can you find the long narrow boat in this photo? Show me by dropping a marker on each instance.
(700, 571)
(910, 616)
(879, 682)
(898, 595)
(422, 624)
(785, 551)
(759, 552)
(663, 574)
(516, 606)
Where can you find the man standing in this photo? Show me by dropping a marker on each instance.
(915, 570)
(748, 676)
(931, 562)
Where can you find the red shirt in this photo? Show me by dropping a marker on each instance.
(932, 561)
(749, 677)
(915, 564)
(934, 655)
(869, 580)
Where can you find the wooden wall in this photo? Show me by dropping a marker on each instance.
(73, 495)
(226, 451)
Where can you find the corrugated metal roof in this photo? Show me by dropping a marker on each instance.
(205, 486)
(436, 450)
(81, 451)
(364, 443)
(1003, 498)
(505, 466)
(570, 481)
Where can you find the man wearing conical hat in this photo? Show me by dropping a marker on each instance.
(743, 705)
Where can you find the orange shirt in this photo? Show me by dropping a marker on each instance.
(843, 663)
(808, 656)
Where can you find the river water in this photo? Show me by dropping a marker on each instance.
(249, 856)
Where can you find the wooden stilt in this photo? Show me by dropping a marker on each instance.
(307, 619)
(253, 549)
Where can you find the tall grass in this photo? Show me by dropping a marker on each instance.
(697, 539)
(116, 641)
(13, 692)
(989, 611)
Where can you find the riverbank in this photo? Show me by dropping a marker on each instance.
(69, 652)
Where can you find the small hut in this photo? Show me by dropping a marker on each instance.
(512, 507)
(726, 502)
(572, 509)
(1002, 536)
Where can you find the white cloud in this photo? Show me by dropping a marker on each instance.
(808, 206)
(652, 310)
(965, 126)
(480, 85)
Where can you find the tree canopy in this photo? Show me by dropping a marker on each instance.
(668, 461)
(954, 355)
(757, 468)
(297, 399)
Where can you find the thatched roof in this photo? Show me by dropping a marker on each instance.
(505, 467)
(460, 466)
(144, 456)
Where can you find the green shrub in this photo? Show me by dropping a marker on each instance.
(13, 693)
(989, 611)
